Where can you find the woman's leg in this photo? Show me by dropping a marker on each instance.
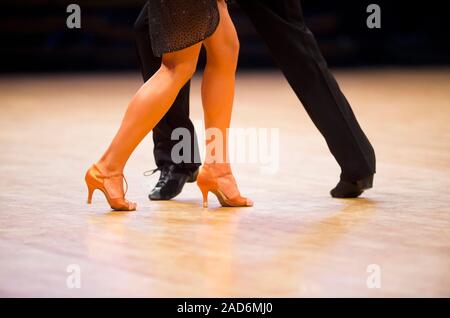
(222, 50)
(145, 110)
(218, 80)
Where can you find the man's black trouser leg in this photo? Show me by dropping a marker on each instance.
(178, 114)
(281, 25)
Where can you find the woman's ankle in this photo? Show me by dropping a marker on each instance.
(108, 168)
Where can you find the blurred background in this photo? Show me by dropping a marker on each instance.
(35, 38)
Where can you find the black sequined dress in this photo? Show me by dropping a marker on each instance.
(178, 24)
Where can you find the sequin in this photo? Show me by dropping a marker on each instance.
(178, 24)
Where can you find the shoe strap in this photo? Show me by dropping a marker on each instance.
(115, 176)
(101, 176)
(112, 176)
(149, 173)
(163, 178)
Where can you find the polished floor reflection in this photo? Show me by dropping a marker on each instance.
(295, 241)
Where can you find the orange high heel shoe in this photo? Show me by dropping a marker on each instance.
(95, 181)
(218, 179)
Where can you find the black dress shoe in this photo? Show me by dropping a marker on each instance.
(171, 182)
(347, 190)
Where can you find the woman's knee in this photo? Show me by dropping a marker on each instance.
(181, 65)
(223, 52)
(223, 46)
(232, 47)
(182, 72)
(224, 42)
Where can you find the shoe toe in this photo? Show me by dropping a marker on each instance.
(155, 195)
(167, 191)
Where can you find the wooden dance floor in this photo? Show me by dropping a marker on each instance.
(296, 241)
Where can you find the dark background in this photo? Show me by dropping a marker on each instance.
(34, 36)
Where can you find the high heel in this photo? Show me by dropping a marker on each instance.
(95, 180)
(205, 191)
(218, 179)
(90, 193)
